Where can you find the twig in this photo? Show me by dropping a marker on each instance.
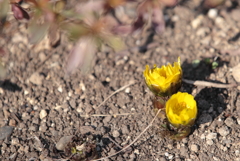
(114, 142)
(104, 115)
(126, 147)
(209, 84)
(120, 89)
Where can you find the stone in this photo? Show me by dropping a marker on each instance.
(125, 129)
(229, 122)
(36, 78)
(43, 113)
(62, 143)
(212, 13)
(194, 147)
(116, 133)
(107, 119)
(15, 141)
(224, 131)
(12, 122)
(183, 151)
(211, 136)
(209, 142)
(43, 127)
(34, 127)
(197, 21)
(5, 132)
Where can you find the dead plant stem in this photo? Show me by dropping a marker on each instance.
(133, 140)
(209, 84)
(120, 89)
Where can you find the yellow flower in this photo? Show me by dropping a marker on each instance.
(181, 109)
(164, 81)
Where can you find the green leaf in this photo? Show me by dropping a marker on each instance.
(195, 63)
(75, 31)
(71, 14)
(114, 42)
(2, 71)
(4, 8)
(59, 6)
(214, 65)
(37, 31)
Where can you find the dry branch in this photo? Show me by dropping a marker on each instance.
(209, 84)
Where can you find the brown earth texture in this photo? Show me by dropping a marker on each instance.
(46, 115)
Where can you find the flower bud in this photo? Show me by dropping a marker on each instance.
(164, 81)
(181, 110)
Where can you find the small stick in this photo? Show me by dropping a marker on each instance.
(114, 142)
(120, 89)
(209, 84)
(126, 147)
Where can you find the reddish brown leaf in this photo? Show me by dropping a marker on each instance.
(54, 35)
(122, 29)
(19, 13)
(212, 3)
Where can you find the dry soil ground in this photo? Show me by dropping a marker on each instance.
(43, 105)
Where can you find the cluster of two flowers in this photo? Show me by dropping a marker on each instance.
(181, 108)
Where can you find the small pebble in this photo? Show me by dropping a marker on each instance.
(194, 147)
(62, 143)
(5, 131)
(170, 156)
(202, 136)
(15, 141)
(60, 89)
(224, 131)
(197, 21)
(229, 122)
(12, 122)
(209, 142)
(127, 90)
(212, 13)
(43, 114)
(115, 134)
(211, 136)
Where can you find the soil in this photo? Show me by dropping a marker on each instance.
(44, 105)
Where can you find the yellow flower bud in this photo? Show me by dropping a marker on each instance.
(181, 110)
(164, 81)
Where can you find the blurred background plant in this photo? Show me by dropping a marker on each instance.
(89, 24)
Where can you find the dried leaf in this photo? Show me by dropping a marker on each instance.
(37, 31)
(82, 55)
(19, 13)
(158, 20)
(54, 35)
(123, 29)
(212, 3)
